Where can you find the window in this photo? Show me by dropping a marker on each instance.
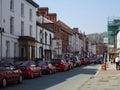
(11, 25)
(41, 36)
(12, 5)
(30, 30)
(30, 14)
(15, 49)
(22, 9)
(50, 39)
(22, 28)
(45, 37)
(40, 52)
(23, 52)
(7, 49)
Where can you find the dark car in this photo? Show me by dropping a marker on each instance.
(98, 61)
(47, 67)
(84, 61)
(29, 69)
(60, 64)
(9, 74)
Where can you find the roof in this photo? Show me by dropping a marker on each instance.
(65, 27)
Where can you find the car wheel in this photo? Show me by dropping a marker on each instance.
(55, 71)
(20, 79)
(32, 75)
(65, 69)
(50, 71)
(4, 82)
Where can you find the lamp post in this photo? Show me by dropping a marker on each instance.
(1, 31)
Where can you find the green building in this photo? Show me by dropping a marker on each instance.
(113, 25)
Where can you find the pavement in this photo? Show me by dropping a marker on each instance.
(108, 79)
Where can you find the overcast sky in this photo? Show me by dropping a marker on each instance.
(90, 16)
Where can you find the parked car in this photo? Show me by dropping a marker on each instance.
(76, 60)
(70, 62)
(91, 60)
(84, 61)
(30, 69)
(47, 67)
(60, 64)
(98, 61)
(9, 74)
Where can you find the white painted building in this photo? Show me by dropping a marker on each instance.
(44, 38)
(18, 18)
(94, 49)
(77, 42)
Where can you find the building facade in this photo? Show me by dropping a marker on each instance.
(44, 38)
(19, 22)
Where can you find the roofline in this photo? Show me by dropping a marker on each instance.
(33, 3)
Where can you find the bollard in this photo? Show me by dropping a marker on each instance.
(103, 66)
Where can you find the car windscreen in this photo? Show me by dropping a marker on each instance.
(27, 63)
(43, 63)
(4, 65)
(55, 60)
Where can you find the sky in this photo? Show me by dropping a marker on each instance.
(90, 16)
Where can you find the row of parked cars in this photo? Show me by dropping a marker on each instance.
(10, 73)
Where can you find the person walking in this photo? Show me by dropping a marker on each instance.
(117, 60)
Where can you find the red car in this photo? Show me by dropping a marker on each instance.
(8, 74)
(84, 61)
(29, 69)
(60, 64)
(47, 67)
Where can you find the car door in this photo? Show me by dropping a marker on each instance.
(35, 69)
(9, 74)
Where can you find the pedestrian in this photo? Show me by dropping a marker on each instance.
(111, 60)
(117, 59)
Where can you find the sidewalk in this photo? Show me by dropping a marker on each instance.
(104, 80)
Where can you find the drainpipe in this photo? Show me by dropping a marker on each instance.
(1, 31)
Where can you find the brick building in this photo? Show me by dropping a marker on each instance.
(62, 31)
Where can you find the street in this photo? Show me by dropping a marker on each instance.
(70, 80)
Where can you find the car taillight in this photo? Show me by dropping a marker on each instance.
(61, 62)
(27, 68)
(0, 75)
(44, 66)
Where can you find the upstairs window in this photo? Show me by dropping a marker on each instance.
(12, 5)
(22, 10)
(22, 28)
(41, 36)
(11, 25)
(50, 37)
(30, 14)
(45, 37)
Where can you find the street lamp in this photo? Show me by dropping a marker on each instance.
(1, 31)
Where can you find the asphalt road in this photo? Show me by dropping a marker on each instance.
(70, 80)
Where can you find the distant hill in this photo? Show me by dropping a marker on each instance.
(98, 37)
